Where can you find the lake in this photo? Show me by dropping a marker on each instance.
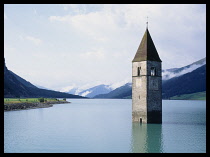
(105, 126)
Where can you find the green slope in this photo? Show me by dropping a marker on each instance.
(193, 96)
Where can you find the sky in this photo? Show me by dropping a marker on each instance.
(64, 46)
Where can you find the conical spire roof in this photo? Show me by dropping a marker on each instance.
(146, 50)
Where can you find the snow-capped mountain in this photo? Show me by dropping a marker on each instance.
(120, 92)
(73, 91)
(93, 91)
(90, 92)
(123, 88)
(100, 89)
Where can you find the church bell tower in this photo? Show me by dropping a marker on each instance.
(147, 83)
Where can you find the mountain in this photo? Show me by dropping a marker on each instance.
(188, 83)
(38, 86)
(73, 91)
(23, 81)
(193, 96)
(91, 92)
(100, 89)
(186, 80)
(15, 86)
(120, 92)
(175, 72)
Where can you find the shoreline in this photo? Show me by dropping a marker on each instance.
(30, 105)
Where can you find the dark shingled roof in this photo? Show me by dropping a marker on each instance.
(146, 50)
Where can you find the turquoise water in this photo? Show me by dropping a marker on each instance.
(105, 126)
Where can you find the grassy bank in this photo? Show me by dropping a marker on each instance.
(193, 96)
(30, 100)
(11, 104)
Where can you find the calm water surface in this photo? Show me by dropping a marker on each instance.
(105, 126)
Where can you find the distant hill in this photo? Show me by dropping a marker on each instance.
(193, 96)
(15, 86)
(72, 91)
(118, 93)
(100, 89)
(90, 92)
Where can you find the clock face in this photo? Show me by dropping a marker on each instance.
(153, 83)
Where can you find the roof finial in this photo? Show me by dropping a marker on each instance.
(147, 22)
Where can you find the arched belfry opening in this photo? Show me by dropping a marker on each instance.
(153, 71)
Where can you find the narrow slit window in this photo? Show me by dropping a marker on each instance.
(138, 71)
(153, 71)
(140, 120)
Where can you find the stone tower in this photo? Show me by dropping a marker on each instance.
(146, 83)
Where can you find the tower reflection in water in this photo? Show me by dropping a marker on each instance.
(146, 138)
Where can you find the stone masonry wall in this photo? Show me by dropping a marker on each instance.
(139, 94)
(146, 92)
(154, 93)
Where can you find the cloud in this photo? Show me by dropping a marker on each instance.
(119, 84)
(5, 16)
(112, 23)
(9, 48)
(168, 75)
(93, 54)
(34, 40)
(67, 88)
(81, 8)
(97, 25)
(35, 12)
(86, 93)
(98, 42)
(66, 7)
(78, 88)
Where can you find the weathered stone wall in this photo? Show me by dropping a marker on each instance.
(154, 93)
(147, 92)
(154, 64)
(143, 66)
(139, 94)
